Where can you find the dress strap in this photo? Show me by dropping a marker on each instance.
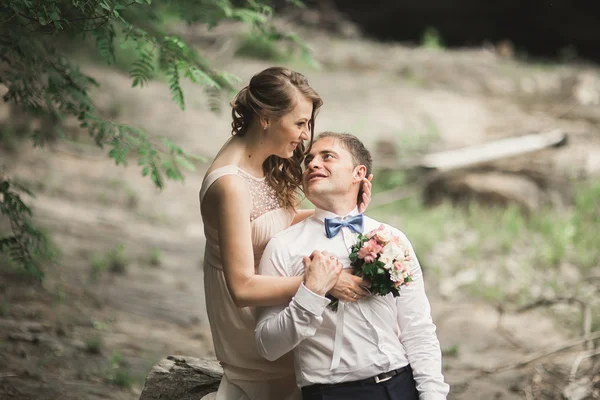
(214, 175)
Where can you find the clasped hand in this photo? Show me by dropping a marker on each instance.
(324, 274)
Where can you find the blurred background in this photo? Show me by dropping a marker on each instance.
(484, 123)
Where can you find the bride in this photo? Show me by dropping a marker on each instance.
(250, 193)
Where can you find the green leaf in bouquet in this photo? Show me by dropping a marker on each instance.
(369, 269)
(334, 303)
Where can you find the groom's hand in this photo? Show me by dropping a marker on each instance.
(350, 287)
(321, 272)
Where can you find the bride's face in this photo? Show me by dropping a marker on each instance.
(287, 132)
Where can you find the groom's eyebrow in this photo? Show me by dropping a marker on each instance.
(309, 156)
(329, 151)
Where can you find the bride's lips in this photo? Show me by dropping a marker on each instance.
(295, 144)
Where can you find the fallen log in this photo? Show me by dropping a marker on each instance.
(182, 378)
(492, 151)
(517, 170)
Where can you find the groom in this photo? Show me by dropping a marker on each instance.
(377, 348)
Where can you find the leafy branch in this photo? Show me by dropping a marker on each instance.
(28, 246)
(41, 79)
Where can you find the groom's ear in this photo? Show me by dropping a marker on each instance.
(360, 173)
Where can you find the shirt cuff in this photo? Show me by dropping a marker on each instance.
(310, 301)
(432, 396)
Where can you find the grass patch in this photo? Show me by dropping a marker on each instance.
(155, 258)
(114, 261)
(516, 258)
(451, 351)
(4, 308)
(94, 345)
(424, 227)
(118, 373)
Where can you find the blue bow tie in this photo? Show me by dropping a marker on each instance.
(333, 225)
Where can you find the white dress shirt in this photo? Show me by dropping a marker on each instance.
(375, 335)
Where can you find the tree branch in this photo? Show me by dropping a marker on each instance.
(542, 353)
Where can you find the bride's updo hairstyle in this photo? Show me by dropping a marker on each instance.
(272, 93)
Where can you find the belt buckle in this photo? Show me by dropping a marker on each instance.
(378, 380)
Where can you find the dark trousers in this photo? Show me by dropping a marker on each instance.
(400, 387)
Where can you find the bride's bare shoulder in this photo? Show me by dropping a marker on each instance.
(229, 155)
(221, 187)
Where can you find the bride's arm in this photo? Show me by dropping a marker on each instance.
(235, 240)
(233, 207)
(301, 215)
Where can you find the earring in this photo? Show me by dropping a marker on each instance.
(265, 128)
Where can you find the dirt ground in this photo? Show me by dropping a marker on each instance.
(49, 334)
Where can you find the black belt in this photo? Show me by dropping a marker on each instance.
(384, 376)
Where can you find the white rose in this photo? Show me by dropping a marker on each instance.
(387, 260)
(395, 275)
(393, 251)
(384, 235)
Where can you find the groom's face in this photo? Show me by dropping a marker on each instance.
(329, 170)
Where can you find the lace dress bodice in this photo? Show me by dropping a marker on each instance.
(264, 197)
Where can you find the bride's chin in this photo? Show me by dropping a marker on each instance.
(284, 154)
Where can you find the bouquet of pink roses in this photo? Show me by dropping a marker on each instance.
(380, 257)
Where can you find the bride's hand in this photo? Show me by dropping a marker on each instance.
(349, 287)
(366, 196)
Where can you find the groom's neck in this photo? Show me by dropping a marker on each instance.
(335, 206)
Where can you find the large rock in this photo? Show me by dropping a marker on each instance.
(182, 378)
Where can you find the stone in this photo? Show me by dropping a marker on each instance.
(182, 378)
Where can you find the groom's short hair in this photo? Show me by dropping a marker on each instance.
(360, 154)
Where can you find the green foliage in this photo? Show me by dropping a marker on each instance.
(42, 80)
(4, 308)
(431, 39)
(9, 140)
(451, 351)
(115, 261)
(118, 373)
(259, 47)
(27, 246)
(155, 258)
(94, 345)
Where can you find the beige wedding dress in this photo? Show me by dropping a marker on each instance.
(247, 376)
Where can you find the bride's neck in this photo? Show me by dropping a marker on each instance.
(254, 152)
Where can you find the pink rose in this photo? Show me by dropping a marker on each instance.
(363, 252)
(369, 251)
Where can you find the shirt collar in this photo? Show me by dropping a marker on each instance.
(321, 214)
